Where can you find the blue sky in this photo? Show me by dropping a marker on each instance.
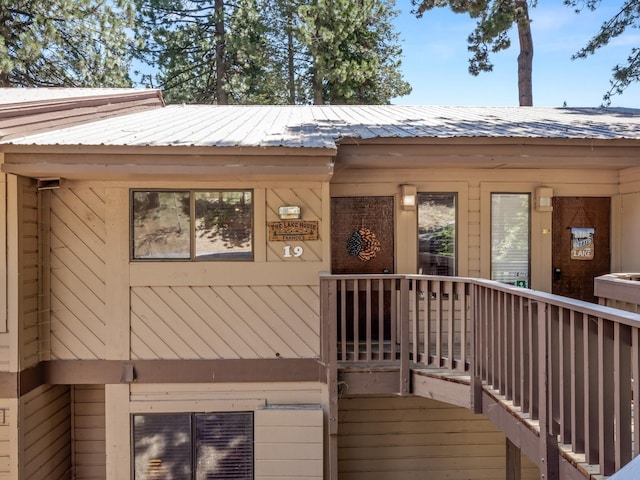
(435, 59)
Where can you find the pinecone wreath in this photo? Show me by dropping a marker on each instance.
(363, 244)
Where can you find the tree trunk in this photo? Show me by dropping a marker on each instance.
(290, 60)
(525, 58)
(317, 88)
(221, 94)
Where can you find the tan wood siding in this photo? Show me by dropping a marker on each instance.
(77, 273)
(28, 244)
(89, 454)
(8, 431)
(46, 433)
(224, 322)
(288, 443)
(310, 202)
(414, 438)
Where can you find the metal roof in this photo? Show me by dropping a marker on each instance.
(324, 126)
(20, 96)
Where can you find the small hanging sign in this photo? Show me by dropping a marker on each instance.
(582, 245)
(293, 230)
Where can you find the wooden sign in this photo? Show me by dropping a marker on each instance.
(582, 245)
(293, 230)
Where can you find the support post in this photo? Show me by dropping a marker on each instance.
(513, 460)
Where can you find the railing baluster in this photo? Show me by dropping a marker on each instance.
(605, 399)
(577, 377)
(368, 319)
(462, 289)
(635, 378)
(591, 390)
(394, 319)
(564, 380)
(404, 337)
(622, 393)
(428, 319)
(438, 320)
(356, 320)
(451, 324)
(415, 319)
(381, 318)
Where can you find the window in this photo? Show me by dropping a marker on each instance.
(193, 446)
(510, 238)
(192, 225)
(437, 233)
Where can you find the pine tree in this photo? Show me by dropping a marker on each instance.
(627, 16)
(65, 43)
(491, 35)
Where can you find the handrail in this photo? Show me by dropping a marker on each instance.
(573, 366)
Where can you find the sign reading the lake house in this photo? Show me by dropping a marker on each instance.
(582, 246)
(293, 230)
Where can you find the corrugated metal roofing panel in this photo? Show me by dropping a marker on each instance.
(323, 126)
(13, 96)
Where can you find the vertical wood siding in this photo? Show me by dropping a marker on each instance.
(288, 443)
(224, 322)
(410, 438)
(46, 433)
(89, 454)
(28, 244)
(310, 202)
(77, 273)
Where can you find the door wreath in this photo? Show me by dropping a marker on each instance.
(363, 244)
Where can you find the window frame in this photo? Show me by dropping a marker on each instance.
(193, 257)
(456, 200)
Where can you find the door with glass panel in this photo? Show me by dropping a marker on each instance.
(437, 233)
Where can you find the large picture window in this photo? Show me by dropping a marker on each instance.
(437, 233)
(192, 225)
(510, 238)
(193, 446)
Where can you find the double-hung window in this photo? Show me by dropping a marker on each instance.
(437, 233)
(193, 446)
(192, 225)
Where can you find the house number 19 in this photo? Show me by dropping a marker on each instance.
(297, 251)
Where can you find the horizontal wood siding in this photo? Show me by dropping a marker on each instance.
(224, 322)
(77, 273)
(288, 443)
(28, 244)
(310, 202)
(8, 432)
(46, 433)
(414, 438)
(89, 454)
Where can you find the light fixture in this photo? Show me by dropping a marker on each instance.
(408, 197)
(289, 212)
(544, 196)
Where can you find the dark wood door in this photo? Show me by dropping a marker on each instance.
(362, 235)
(581, 251)
(362, 243)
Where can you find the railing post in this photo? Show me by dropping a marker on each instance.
(329, 353)
(405, 373)
(549, 452)
(474, 364)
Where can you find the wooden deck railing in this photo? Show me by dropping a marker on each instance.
(570, 368)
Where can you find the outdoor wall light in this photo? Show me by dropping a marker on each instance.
(408, 197)
(544, 196)
(289, 212)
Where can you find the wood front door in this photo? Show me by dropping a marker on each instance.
(581, 248)
(362, 243)
(362, 235)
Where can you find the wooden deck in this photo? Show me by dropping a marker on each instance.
(559, 377)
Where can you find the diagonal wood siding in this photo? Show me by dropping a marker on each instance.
(224, 322)
(310, 202)
(46, 434)
(77, 273)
